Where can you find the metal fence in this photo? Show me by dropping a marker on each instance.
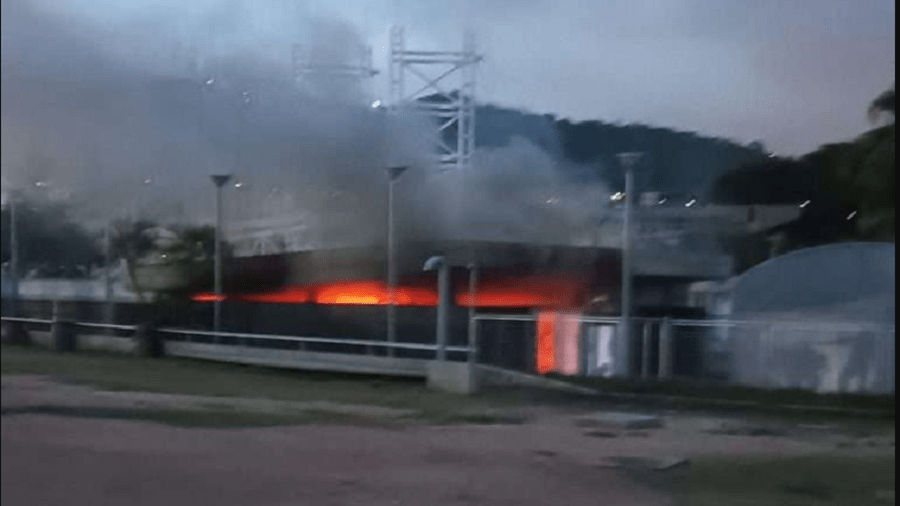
(818, 356)
(271, 341)
(824, 357)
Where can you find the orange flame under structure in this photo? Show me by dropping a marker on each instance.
(207, 297)
(545, 349)
(556, 340)
(532, 291)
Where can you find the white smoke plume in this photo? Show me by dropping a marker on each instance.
(113, 118)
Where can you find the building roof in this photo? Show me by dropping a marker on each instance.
(846, 281)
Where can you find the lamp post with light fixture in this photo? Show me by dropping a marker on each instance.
(14, 250)
(394, 174)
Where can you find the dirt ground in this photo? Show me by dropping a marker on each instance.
(551, 458)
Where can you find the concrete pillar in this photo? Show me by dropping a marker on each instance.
(646, 339)
(443, 316)
(666, 351)
(453, 377)
(148, 342)
(64, 336)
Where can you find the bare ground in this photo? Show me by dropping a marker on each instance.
(550, 459)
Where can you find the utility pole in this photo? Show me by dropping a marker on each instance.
(439, 264)
(219, 180)
(107, 273)
(623, 353)
(14, 249)
(473, 323)
(394, 174)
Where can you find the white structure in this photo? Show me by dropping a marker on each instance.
(450, 93)
(821, 318)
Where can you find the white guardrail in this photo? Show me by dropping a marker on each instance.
(188, 333)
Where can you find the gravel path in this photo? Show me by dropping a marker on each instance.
(52, 460)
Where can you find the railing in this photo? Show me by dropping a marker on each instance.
(248, 339)
(239, 338)
(820, 356)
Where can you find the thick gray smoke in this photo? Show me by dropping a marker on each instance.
(512, 193)
(115, 128)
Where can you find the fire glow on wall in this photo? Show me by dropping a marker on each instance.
(535, 291)
(553, 296)
(556, 342)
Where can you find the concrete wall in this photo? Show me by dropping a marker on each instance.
(67, 289)
(454, 377)
(305, 360)
(90, 342)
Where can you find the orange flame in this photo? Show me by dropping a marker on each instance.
(534, 291)
(207, 297)
(556, 343)
(544, 343)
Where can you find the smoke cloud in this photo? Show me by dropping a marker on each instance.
(117, 119)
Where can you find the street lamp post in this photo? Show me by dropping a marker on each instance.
(623, 354)
(394, 174)
(219, 180)
(107, 273)
(473, 323)
(440, 264)
(14, 250)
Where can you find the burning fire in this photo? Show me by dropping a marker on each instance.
(544, 342)
(536, 291)
(207, 297)
(556, 340)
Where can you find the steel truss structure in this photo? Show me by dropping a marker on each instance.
(445, 92)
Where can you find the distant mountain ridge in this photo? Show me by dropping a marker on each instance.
(677, 163)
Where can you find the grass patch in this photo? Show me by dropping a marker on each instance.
(198, 377)
(190, 418)
(691, 393)
(803, 481)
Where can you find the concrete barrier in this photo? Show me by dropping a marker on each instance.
(15, 333)
(454, 377)
(148, 343)
(303, 360)
(89, 342)
(64, 336)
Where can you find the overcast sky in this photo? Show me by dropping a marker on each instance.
(792, 73)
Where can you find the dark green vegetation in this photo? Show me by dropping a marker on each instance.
(849, 185)
(58, 248)
(677, 163)
(48, 242)
(192, 377)
(802, 481)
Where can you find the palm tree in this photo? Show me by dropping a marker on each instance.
(883, 104)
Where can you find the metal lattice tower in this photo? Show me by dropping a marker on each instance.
(452, 107)
(313, 74)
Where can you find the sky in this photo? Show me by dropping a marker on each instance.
(794, 74)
